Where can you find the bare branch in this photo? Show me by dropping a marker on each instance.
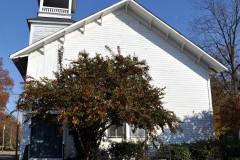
(236, 67)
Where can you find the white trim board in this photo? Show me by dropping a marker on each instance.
(144, 13)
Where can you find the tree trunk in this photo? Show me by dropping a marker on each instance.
(10, 139)
(235, 85)
(10, 142)
(88, 156)
(238, 135)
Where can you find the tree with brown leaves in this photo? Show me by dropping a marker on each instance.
(10, 130)
(6, 85)
(93, 94)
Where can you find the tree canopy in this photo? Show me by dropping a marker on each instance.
(229, 113)
(219, 98)
(10, 130)
(91, 94)
(216, 29)
(6, 85)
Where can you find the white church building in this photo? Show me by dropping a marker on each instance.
(175, 63)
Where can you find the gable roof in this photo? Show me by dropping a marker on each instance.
(145, 14)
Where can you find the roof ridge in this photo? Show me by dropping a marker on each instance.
(136, 7)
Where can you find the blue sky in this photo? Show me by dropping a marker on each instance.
(14, 32)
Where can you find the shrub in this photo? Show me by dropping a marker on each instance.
(128, 149)
(229, 147)
(205, 150)
(225, 148)
(180, 152)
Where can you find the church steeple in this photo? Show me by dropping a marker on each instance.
(53, 15)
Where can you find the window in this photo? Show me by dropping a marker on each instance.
(141, 133)
(56, 3)
(119, 132)
(46, 141)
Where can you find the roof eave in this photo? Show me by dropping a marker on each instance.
(166, 28)
(213, 63)
(60, 33)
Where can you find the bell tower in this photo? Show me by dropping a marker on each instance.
(53, 15)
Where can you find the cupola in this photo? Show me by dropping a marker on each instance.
(57, 8)
(53, 15)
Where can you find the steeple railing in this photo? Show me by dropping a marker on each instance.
(54, 10)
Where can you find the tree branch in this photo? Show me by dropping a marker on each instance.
(222, 30)
(236, 67)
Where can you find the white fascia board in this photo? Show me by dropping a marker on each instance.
(175, 35)
(25, 51)
(54, 15)
(142, 12)
(52, 22)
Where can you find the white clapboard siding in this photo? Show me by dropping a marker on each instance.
(42, 62)
(187, 83)
(39, 31)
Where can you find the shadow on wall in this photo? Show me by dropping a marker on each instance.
(198, 126)
(156, 39)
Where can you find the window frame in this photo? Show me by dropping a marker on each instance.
(134, 135)
(123, 128)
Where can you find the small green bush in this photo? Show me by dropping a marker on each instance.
(213, 149)
(128, 149)
(226, 148)
(204, 150)
(180, 152)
